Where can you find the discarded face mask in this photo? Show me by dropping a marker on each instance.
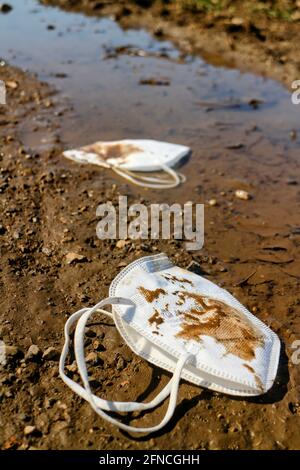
(131, 158)
(185, 324)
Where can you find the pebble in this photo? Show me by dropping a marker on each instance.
(120, 363)
(12, 84)
(242, 194)
(5, 7)
(33, 353)
(29, 430)
(46, 251)
(213, 202)
(121, 244)
(73, 258)
(195, 267)
(93, 358)
(51, 354)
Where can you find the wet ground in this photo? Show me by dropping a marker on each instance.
(243, 133)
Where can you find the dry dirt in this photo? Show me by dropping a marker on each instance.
(48, 212)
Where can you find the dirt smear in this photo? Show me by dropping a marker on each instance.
(156, 319)
(151, 295)
(223, 323)
(121, 152)
(174, 279)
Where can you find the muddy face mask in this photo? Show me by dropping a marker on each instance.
(185, 324)
(131, 158)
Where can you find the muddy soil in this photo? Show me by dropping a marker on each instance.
(49, 217)
(253, 36)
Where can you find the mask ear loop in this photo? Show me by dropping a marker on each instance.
(151, 182)
(79, 390)
(133, 177)
(99, 404)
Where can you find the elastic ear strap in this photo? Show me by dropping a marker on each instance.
(78, 389)
(174, 382)
(147, 182)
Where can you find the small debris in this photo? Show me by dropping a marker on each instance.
(51, 354)
(195, 267)
(242, 194)
(234, 146)
(5, 7)
(121, 244)
(292, 182)
(155, 81)
(213, 202)
(72, 258)
(29, 430)
(93, 358)
(12, 84)
(120, 363)
(11, 443)
(2, 230)
(33, 353)
(46, 251)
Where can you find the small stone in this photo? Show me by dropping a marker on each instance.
(98, 346)
(213, 202)
(292, 181)
(93, 358)
(242, 194)
(73, 258)
(46, 251)
(12, 84)
(29, 430)
(195, 267)
(121, 243)
(237, 21)
(120, 363)
(5, 7)
(72, 367)
(33, 353)
(51, 354)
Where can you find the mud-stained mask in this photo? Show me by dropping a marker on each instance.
(185, 324)
(132, 158)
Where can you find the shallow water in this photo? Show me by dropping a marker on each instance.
(70, 51)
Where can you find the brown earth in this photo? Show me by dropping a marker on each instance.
(52, 264)
(252, 36)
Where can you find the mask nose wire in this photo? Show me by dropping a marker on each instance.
(85, 392)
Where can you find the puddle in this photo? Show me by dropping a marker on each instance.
(99, 67)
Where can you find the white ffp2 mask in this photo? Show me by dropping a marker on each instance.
(185, 324)
(131, 157)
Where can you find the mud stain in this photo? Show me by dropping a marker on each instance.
(122, 152)
(156, 319)
(249, 368)
(259, 383)
(151, 295)
(175, 279)
(256, 377)
(225, 324)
